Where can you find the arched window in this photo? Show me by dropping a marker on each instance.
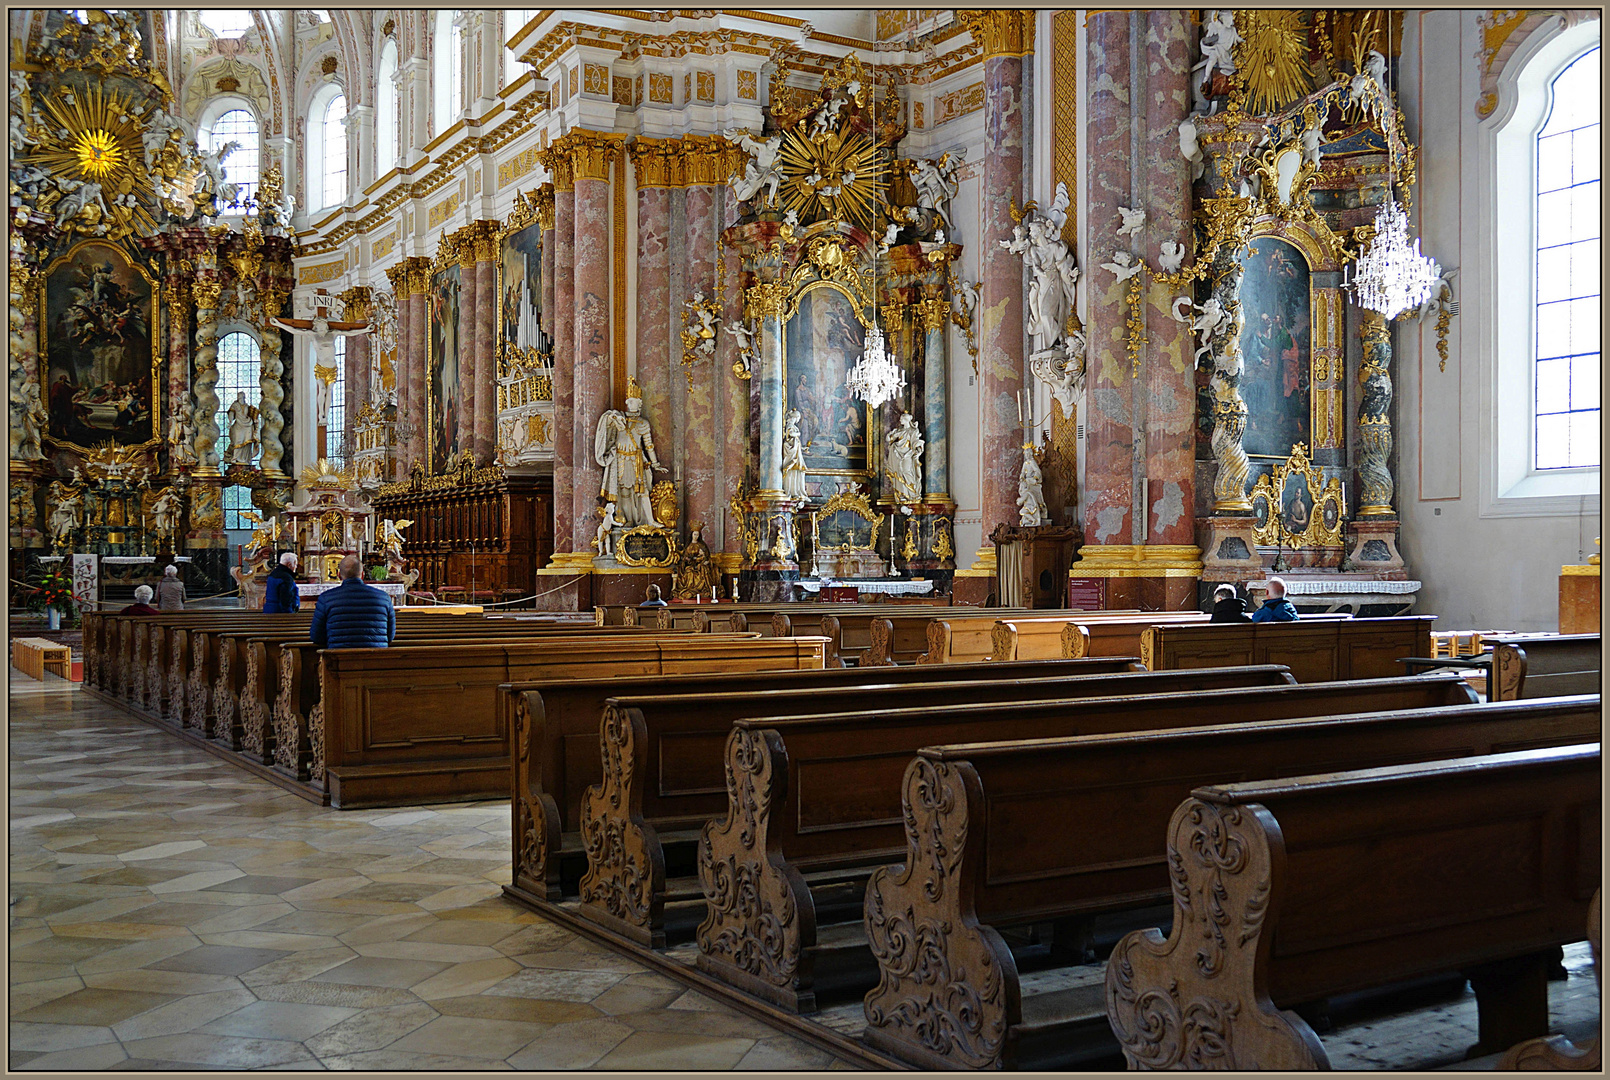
(226, 23)
(334, 168)
(335, 424)
(1567, 239)
(239, 371)
(447, 94)
(241, 167)
(386, 111)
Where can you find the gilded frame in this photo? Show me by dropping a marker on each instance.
(1323, 527)
(155, 324)
(625, 559)
(873, 443)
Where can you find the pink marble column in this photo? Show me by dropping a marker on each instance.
(1000, 337)
(1110, 441)
(418, 385)
(656, 327)
(178, 344)
(700, 439)
(564, 367)
(734, 399)
(1169, 420)
(469, 350)
(486, 315)
(593, 356)
(357, 375)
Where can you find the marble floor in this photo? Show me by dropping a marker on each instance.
(171, 912)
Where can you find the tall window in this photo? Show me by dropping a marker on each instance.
(1568, 311)
(239, 368)
(334, 125)
(446, 95)
(386, 111)
(335, 426)
(513, 22)
(240, 127)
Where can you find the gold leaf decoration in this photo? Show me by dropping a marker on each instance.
(1272, 58)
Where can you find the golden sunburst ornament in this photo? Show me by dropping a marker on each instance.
(98, 154)
(1272, 58)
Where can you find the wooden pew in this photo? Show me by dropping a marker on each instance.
(821, 793)
(1473, 864)
(1042, 637)
(34, 656)
(978, 804)
(662, 762)
(1315, 650)
(1557, 1053)
(555, 731)
(405, 725)
(959, 638)
(1527, 667)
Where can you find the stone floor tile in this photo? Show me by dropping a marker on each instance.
(395, 1061)
(338, 994)
(328, 923)
(670, 1050)
(162, 851)
(182, 1015)
(571, 1046)
(82, 1059)
(20, 972)
(218, 960)
(298, 966)
(428, 950)
(249, 917)
(724, 1022)
(388, 928)
(223, 1051)
(468, 1036)
(625, 998)
(156, 981)
(262, 939)
(136, 955)
(44, 1038)
(279, 1020)
(20, 999)
(197, 881)
(96, 1006)
(784, 1054)
(556, 985)
(264, 885)
(457, 932)
(525, 1010)
(370, 1029)
(471, 977)
(380, 971)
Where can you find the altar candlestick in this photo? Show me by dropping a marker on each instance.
(1019, 399)
(1343, 513)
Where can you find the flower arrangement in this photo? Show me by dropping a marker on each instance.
(54, 589)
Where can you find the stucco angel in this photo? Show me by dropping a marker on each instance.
(761, 170)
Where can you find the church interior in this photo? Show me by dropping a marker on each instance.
(805, 450)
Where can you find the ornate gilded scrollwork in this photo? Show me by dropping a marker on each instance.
(1296, 506)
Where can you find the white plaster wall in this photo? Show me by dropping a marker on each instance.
(1478, 571)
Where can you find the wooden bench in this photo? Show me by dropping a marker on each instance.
(662, 771)
(555, 726)
(974, 639)
(852, 635)
(1473, 864)
(815, 793)
(1557, 1053)
(978, 805)
(406, 725)
(1315, 650)
(1527, 667)
(34, 656)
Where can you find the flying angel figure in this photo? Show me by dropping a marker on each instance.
(1133, 220)
(1374, 73)
(1171, 256)
(1123, 266)
(888, 236)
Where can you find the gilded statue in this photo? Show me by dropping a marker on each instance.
(165, 511)
(624, 446)
(66, 514)
(391, 537)
(694, 573)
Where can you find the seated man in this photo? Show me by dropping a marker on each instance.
(1276, 608)
(653, 599)
(352, 615)
(1227, 606)
(142, 603)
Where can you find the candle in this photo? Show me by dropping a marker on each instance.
(1019, 399)
(1344, 498)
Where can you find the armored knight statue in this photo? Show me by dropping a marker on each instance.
(624, 446)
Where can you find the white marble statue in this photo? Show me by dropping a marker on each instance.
(1031, 509)
(1062, 368)
(1219, 39)
(761, 170)
(1053, 272)
(1123, 265)
(212, 180)
(603, 541)
(165, 512)
(66, 513)
(827, 118)
(888, 236)
(702, 322)
(793, 457)
(1133, 221)
(1440, 292)
(624, 446)
(935, 181)
(159, 128)
(1208, 318)
(1191, 147)
(182, 434)
(1310, 144)
(244, 427)
(903, 449)
(745, 335)
(27, 422)
(391, 537)
(79, 194)
(1374, 74)
(1171, 256)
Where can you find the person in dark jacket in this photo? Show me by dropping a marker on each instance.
(1227, 606)
(653, 598)
(1276, 608)
(142, 603)
(280, 596)
(352, 615)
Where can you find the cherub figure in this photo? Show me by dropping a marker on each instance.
(1123, 265)
(603, 542)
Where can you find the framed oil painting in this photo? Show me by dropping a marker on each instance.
(100, 331)
(1275, 348)
(445, 393)
(821, 343)
(520, 333)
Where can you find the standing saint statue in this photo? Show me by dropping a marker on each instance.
(322, 333)
(793, 458)
(243, 431)
(624, 446)
(904, 446)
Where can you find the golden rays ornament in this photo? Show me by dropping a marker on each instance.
(1272, 58)
(98, 154)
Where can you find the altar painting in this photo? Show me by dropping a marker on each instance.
(520, 298)
(100, 318)
(1275, 348)
(445, 390)
(821, 343)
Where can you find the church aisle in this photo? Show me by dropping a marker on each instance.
(169, 912)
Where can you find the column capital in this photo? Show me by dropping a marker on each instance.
(658, 162)
(709, 160)
(999, 31)
(589, 153)
(356, 301)
(544, 207)
(397, 274)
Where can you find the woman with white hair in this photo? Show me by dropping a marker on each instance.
(280, 595)
(170, 591)
(142, 603)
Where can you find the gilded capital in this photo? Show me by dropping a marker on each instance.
(355, 302)
(398, 276)
(1000, 32)
(766, 300)
(658, 162)
(556, 159)
(544, 206)
(419, 271)
(466, 243)
(709, 160)
(935, 313)
(206, 294)
(590, 152)
(488, 241)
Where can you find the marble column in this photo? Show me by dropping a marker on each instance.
(545, 210)
(734, 402)
(1006, 36)
(271, 381)
(397, 275)
(592, 154)
(470, 372)
(564, 351)
(486, 338)
(700, 439)
(934, 314)
(1376, 487)
(656, 328)
(206, 291)
(418, 384)
(177, 290)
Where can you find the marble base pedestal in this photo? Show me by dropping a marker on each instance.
(628, 585)
(1372, 547)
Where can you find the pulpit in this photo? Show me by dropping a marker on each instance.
(1032, 563)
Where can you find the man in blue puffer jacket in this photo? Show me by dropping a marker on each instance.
(1276, 608)
(279, 589)
(352, 615)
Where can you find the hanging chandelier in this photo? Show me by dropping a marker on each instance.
(875, 378)
(1392, 276)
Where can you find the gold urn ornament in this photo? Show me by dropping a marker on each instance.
(662, 497)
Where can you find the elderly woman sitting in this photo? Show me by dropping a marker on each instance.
(142, 603)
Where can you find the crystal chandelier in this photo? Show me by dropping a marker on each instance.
(876, 377)
(1392, 276)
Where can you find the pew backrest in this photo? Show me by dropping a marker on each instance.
(1547, 666)
(1315, 650)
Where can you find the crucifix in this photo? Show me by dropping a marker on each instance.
(323, 334)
